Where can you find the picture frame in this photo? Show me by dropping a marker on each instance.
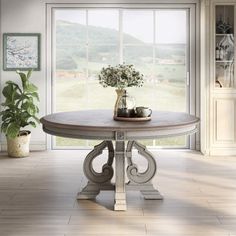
(21, 51)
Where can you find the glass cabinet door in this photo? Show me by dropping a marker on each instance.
(224, 46)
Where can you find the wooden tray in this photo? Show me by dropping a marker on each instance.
(118, 118)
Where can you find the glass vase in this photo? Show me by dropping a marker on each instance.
(119, 93)
(125, 105)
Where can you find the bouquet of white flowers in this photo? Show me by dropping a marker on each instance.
(120, 76)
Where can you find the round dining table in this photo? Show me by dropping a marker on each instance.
(119, 138)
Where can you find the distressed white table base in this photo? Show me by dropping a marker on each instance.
(102, 181)
(147, 190)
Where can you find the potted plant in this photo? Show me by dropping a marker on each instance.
(120, 77)
(19, 111)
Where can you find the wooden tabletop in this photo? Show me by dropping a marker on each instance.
(103, 119)
(77, 123)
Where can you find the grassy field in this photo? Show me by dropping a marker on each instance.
(174, 142)
(81, 94)
(168, 93)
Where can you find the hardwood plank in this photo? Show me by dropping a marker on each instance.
(187, 230)
(73, 229)
(34, 220)
(159, 220)
(227, 220)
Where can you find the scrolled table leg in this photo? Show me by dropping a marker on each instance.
(141, 180)
(107, 169)
(97, 181)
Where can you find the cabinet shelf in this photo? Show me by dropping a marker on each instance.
(224, 90)
(223, 34)
(218, 61)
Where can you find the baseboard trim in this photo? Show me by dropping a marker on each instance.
(34, 146)
(222, 152)
(41, 146)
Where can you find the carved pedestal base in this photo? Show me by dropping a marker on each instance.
(141, 181)
(98, 181)
(147, 190)
(91, 190)
(101, 181)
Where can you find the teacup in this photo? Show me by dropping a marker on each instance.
(143, 111)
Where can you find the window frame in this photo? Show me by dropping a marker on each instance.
(193, 142)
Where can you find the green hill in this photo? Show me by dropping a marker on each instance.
(103, 45)
(69, 33)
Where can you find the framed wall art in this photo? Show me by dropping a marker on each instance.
(21, 51)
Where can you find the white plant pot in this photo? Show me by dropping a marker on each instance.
(19, 146)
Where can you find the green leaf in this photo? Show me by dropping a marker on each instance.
(25, 115)
(13, 130)
(29, 74)
(12, 83)
(23, 124)
(4, 127)
(31, 100)
(7, 115)
(5, 111)
(16, 95)
(24, 80)
(15, 85)
(32, 123)
(25, 105)
(35, 95)
(31, 109)
(13, 95)
(7, 91)
(31, 88)
(24, 98)
(37, 109)
(7, 104)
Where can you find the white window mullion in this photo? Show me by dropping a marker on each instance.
(87, 64)
(121, 43)
(154, 50)
(154, 37)
(53, 64)
(87, 45)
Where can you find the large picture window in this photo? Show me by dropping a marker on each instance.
(156, 41)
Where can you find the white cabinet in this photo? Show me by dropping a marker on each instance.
(222, 81)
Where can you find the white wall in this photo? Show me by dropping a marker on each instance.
(26, 16)
(29, 16)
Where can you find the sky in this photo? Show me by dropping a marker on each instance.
(170, 25)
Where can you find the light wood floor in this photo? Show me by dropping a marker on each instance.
(38, 197)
